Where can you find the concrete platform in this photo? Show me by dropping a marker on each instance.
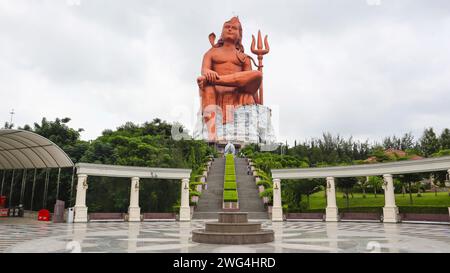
(259, 237)
(20, 236)
(232, 228)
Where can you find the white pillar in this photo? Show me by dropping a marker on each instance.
(277, 210)
(80, 203)
(390, 210)
(185, 210)
(448, 171)
(134, 211)
(331, 210)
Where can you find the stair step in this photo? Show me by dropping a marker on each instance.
(210, 202)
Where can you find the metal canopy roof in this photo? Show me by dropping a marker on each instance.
(21, 149)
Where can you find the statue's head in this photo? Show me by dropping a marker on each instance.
(232, 30)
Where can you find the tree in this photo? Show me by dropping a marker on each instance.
(346, 184)
(438, 179)
(308, 187)
(375, 182)
(407, 142)
(429, 143)
(444, 139)
(391, 143)
(409, 179)
(291, 194)
(363, 181)
(8, 125)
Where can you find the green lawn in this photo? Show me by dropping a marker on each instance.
(318, 200)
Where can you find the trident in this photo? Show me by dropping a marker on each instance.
(260, 52)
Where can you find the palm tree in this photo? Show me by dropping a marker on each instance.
(363, 181)
(375, 182)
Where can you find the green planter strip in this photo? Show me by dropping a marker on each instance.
(230, 196)
(230, 187)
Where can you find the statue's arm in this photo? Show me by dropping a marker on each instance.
(247, 64)
(210, 75)
(207, 62)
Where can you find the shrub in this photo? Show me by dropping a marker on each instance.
(268, 192)
(414, 209)
(362, 209)
(194, 193)
(264, 183)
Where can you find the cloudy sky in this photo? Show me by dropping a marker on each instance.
(366, 68)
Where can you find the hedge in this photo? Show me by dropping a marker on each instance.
(230, 196)
(409, 209)
(432, 210)
(230, 178)
(230, 193)
(230, 186)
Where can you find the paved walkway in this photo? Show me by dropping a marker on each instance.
(176, 237)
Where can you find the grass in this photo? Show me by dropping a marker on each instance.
(428, 199)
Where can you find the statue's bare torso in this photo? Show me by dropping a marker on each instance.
(225, 61)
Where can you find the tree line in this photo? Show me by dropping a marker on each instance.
(147, 145)
(332, 150)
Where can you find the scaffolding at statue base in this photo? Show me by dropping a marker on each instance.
(252, 124)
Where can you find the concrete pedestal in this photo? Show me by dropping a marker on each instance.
(390, 215)
(185, 214)
(134, 214)
(232, 228)
(332, 214)
(277, 214)
(81, 214)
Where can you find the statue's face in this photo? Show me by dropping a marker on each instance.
(230, 31)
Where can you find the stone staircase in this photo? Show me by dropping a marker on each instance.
(249, 200)
(210, 203)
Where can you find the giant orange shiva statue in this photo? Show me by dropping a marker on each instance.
(227, 79)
